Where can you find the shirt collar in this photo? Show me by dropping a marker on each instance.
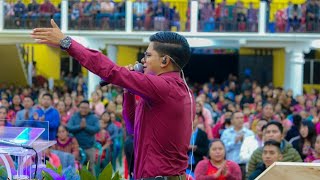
(171, 74)
(45, 110)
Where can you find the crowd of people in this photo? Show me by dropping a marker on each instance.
(155, 15)
(93, 14)
(223, 17)
(89, 130)
(239, 130)
(256, 126)
(296, 17)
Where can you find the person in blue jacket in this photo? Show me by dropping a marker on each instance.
(84, 125)
(47, 113)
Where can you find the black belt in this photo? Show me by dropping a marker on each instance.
(181, 177)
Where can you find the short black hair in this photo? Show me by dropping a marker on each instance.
(84, 102)
(172, 44)
(276, 123)
(227, 121)
(47, 94)
(273, 143)
(264, 127)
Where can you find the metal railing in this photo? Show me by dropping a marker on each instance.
(172, 15)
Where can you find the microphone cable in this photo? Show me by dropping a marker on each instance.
(36, 159)
(191, 106)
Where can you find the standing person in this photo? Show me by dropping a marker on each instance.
(49, 114)
(26, 113)
(84, 125)
(162, 120)
(251, 143)
(199, 144)
(233, 139)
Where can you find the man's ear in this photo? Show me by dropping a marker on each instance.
(164, 62)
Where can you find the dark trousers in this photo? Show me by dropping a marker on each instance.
(128, 150)
(243, 171)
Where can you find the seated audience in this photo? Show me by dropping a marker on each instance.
(271, 153)
(217, 167)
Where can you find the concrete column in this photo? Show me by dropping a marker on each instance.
(194, 16)
(30, 70)
(112, 52)
(64, 15)
(294, 71)
(93, 81)
(2, 15)
(262, 17)
(129, 16)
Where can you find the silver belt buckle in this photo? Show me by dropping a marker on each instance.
(159, 178)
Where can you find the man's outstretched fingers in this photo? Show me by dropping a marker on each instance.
(53, 24)
(42, 29)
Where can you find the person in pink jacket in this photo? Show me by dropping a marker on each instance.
(205, 118)
(96, 105)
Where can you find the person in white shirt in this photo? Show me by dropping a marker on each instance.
(233, 138)
(251, 143)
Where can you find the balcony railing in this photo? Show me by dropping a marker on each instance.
(294, 18)
(222, 17)
(172, 15)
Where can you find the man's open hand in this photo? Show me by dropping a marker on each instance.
(51, 36)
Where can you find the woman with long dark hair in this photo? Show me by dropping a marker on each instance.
(205, 118)
(304, 143)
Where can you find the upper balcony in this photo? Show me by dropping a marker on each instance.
(235, 22)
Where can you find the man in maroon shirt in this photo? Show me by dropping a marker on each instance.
(161, 121)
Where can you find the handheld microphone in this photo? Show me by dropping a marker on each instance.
(13, 144)
(137, 67)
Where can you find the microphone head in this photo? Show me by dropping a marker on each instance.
(138, 67)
